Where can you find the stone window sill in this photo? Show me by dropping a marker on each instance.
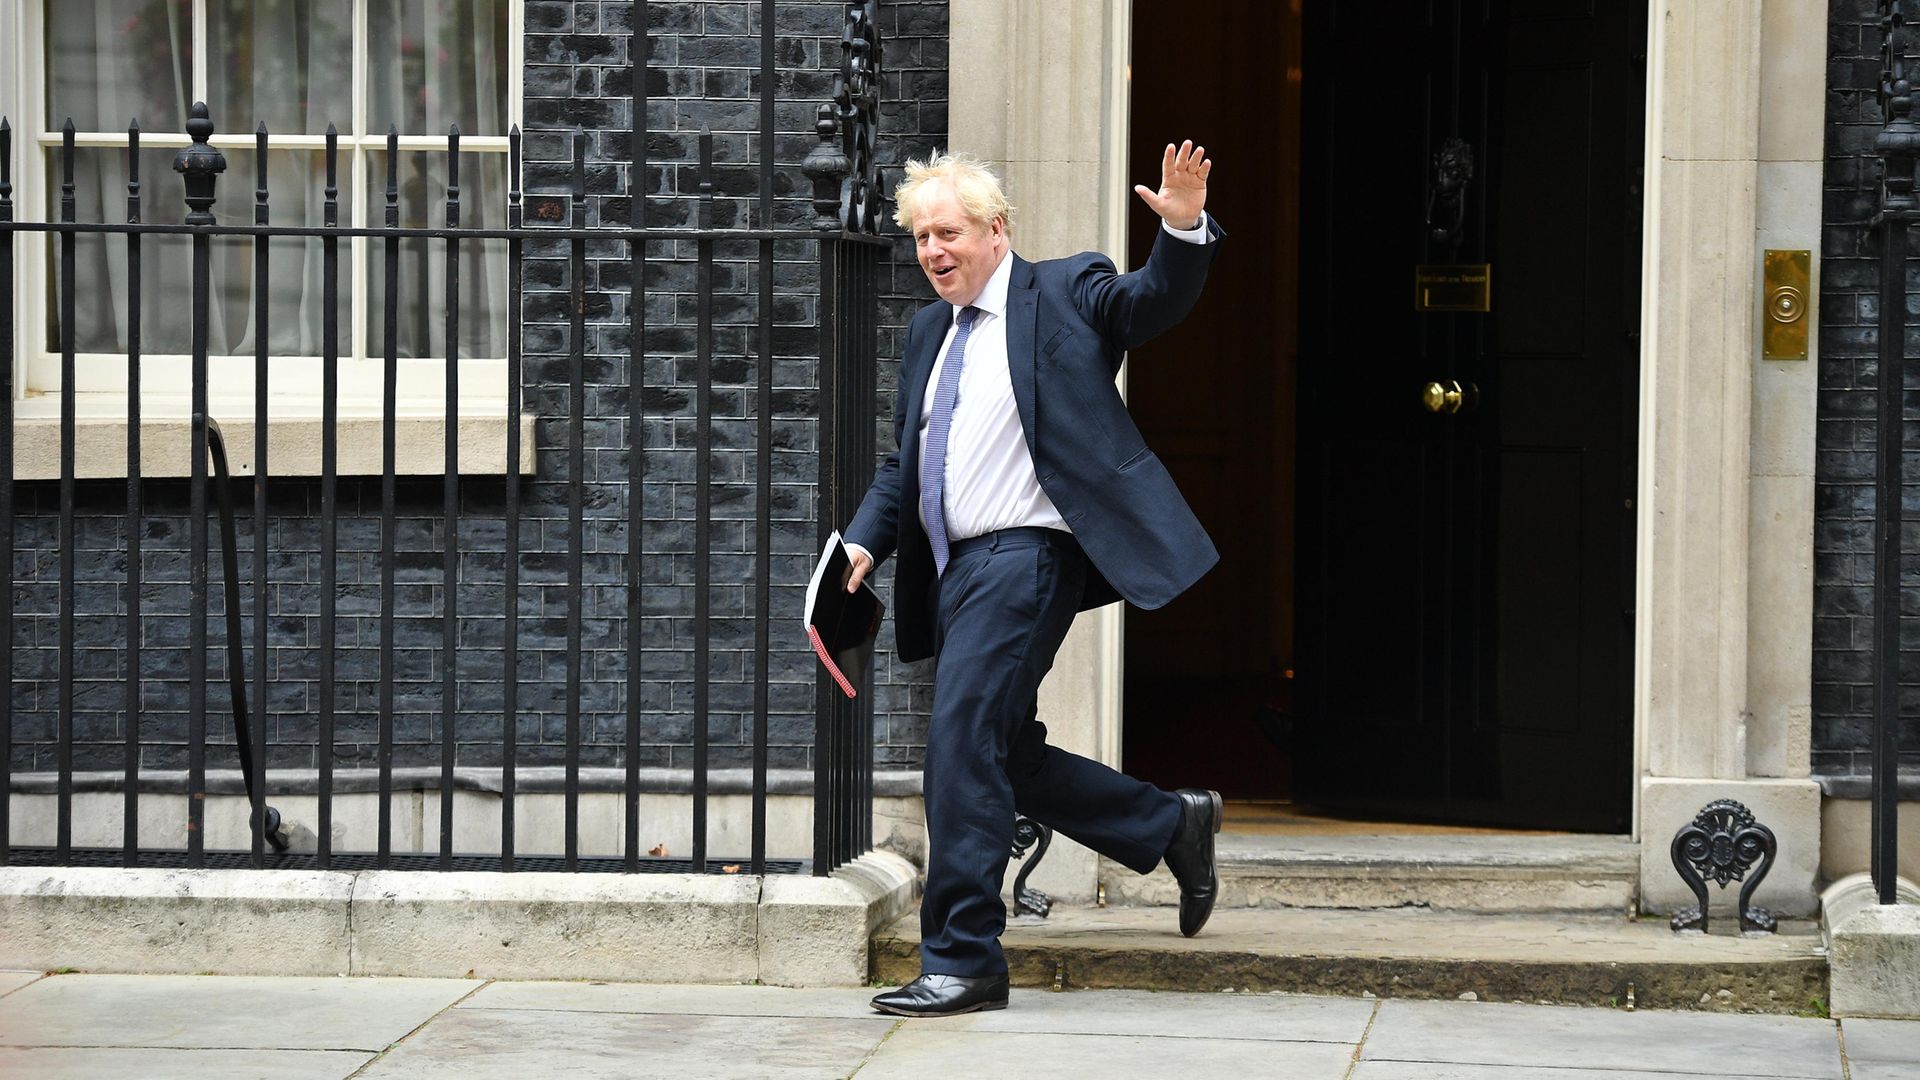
(293, 433)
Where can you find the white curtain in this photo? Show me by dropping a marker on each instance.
(289, 64)
(432, 64)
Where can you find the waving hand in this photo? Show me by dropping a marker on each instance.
(1183, 185)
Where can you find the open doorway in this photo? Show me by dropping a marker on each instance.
(1206, 676)
(1405, 408)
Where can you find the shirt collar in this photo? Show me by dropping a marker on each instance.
(993, 298)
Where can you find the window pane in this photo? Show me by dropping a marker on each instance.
(296, 183)
(286, 62)
(422, 274)
(111, 61)
(438, 62)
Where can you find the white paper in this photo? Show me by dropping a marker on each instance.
(819, 571)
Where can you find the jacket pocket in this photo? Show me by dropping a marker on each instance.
(1144, 455)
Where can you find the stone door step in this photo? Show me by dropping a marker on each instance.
(1406, 953)
(1481, 872)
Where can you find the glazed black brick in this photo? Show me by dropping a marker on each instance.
(705, 70)
(1845, 435)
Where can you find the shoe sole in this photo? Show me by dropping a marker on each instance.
(985, 1006)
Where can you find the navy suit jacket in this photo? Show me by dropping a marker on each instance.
(1069, 324)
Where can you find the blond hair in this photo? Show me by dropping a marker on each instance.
(977, 188)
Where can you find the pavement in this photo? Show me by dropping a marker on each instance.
(156, 1027)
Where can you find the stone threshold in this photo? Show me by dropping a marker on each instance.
(1483, 872)
(1404, 953)
(785, 930)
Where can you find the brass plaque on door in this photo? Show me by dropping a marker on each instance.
(1786, 277)
(1462, 287)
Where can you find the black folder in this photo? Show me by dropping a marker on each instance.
(842, 626)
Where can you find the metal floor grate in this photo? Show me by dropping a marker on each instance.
(365, 860)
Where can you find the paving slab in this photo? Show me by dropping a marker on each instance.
(14, 980)
(920, 1050)
(222, 1011)
(92, 1063)
(1479, 1033)
(1147, 1013)
(1886, 1070)
(512, 1044)
(1883, 1049)
(1426, 1070)
(677, 1000)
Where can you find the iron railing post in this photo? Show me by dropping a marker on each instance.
(63, 811)
(1897, 146)
(201, 165)
(6, 487)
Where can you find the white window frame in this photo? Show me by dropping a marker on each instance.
(294, 402)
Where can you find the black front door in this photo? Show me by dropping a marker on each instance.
(1466, 477)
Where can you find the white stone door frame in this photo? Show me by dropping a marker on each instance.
(1724, 578)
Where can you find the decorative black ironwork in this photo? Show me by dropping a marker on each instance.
(1721, 844)
(1447, 196)
(827, 166)
(846, 176)
(1030, 834)
(245, 745)
(1897, 146)
(201, 164)
(849, 251)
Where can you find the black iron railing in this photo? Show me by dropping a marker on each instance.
(844, 231)
(1898, 147)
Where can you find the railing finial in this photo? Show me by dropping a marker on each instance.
(201, 165)
(827, 166)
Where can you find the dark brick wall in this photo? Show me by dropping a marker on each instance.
(704, 71)
(1849, 376)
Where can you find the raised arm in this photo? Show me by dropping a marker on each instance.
(1132, 309)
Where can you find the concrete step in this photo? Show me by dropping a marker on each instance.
(1479, 872)
(1402, 953)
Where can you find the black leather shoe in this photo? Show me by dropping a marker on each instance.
(944, 995)
(1190, 856)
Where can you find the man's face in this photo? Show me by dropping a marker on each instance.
(958, 253)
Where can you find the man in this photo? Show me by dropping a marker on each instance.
(1020, 494)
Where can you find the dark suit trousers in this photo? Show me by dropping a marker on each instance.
(1005, 604)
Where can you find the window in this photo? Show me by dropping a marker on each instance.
(295, 65)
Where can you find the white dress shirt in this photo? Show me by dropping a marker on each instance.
(990, 481)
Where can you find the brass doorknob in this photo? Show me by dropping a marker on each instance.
(1445, 397)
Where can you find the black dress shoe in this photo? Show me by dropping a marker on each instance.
(944, 995)
(1190, 856)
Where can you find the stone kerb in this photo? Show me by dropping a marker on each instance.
(791, 930)
(1873, 949)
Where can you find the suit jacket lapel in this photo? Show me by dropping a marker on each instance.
(918, 366)
(1023, 307)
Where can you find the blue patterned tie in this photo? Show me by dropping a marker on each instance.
(933, 453)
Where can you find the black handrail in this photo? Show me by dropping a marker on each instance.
(266, 819)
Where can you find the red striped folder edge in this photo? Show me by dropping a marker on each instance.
(820, 650)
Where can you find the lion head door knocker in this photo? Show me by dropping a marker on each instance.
(1722, 843)
(1028, 833)
(1447, 196)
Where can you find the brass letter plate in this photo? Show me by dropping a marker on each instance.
(1467, 287)
(1783, 330)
